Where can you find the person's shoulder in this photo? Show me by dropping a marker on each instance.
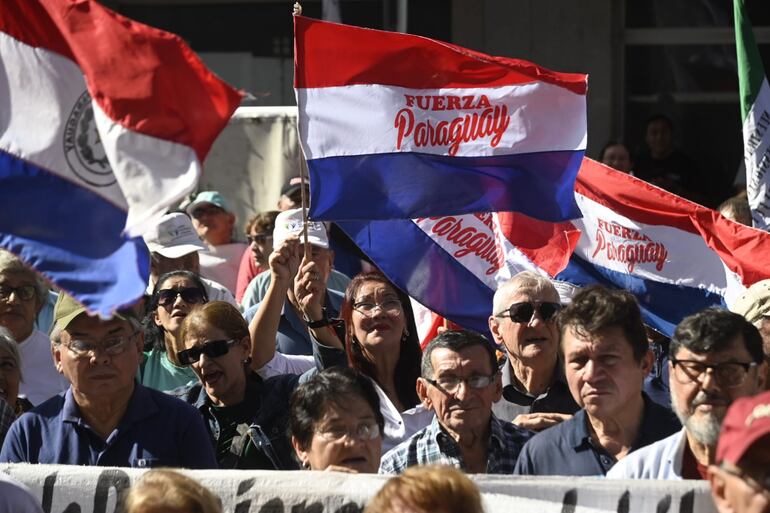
(644, 463)
(179, 398)
(555, 437)
(396, 460)
(511, 431)
(281, 384)
(51, 407)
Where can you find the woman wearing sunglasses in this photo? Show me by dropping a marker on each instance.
(176, 293)
(336, 422)
(247, 417)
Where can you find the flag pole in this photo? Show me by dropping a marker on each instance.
(297, 11)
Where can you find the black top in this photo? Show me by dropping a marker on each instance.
(516, 401)
(567, 449)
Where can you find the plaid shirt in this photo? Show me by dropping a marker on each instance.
(432, 445)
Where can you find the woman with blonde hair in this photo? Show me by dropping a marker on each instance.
(168, 491)
(427, 489)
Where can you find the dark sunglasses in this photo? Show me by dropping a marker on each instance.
(523, 312)
(212, 349)
(259, 239)
(191, 296)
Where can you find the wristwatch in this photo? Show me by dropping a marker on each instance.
(323, 321)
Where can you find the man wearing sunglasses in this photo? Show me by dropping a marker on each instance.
(105, 417)
(715, 357)
(535, 393)
(606, 358)
(459, 383)
(740, 475)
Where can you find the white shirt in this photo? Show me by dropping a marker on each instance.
(40, 379)
(221, 263)
(398, 425)
(661, 460)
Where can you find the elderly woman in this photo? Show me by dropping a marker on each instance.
(174, 295)
(246, 416)
(10, 377)
(336, 422)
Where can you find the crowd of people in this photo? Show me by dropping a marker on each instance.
(264, 356)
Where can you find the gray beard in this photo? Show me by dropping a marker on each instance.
(704, 429)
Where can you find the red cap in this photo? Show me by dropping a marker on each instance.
(747, 420)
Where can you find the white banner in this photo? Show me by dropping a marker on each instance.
(67, 489)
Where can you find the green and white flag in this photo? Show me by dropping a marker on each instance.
(755, 112)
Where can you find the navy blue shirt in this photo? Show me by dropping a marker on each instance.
(157, 430)
(567, 449)
(293, 336)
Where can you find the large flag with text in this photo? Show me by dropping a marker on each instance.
(103, 125)
(675, 256)
(396, 126)
(755, 113)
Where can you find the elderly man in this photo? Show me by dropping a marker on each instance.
(106, 418)
(535, 393)
(214, 221)
(715, 358)
(287, 224)
(175, 246)
(459, 383)
(22, 295)
(606, 359)
(740, 479)
(754, 305)
(293, 337)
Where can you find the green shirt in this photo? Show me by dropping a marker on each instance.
(157, 371)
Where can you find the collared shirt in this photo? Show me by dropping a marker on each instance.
(433, 445)
(567, 449)
(516, 401)
(156, 430)
(293, 336)
(257, 289)
(661, 460)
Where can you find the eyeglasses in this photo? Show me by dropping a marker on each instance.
(209, 210)
(212, 349)
(363, 431)
(758, 483)
(191, 295)
(451, 384)
(112, 346)
(728, 374)
(523, 312)
(260, 238)
(25, 292)
(389, 306)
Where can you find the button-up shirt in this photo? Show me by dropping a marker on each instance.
(569, 450)
(433, 445)
(293, 336)
(517, 401)
(156, 431)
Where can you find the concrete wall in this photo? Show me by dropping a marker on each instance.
(567, 36)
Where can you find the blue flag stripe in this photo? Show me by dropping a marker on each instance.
(69, 234)
(411, 185)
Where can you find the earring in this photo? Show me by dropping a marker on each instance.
(405, 335)
(305, 465)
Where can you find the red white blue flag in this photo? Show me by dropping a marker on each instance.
(396, 126)
(103, 125)
(675, 256)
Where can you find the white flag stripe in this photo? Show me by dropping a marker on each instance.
(363, 119)
(756, 152)
(43, 126)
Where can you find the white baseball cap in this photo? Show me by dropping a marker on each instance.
(173, 237)
(289, 223)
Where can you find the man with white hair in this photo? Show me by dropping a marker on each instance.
(174, 246)
(715, 358)
(535, 393)
(22, 295)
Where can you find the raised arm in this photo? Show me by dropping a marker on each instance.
(310, 290)
(263, 329)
